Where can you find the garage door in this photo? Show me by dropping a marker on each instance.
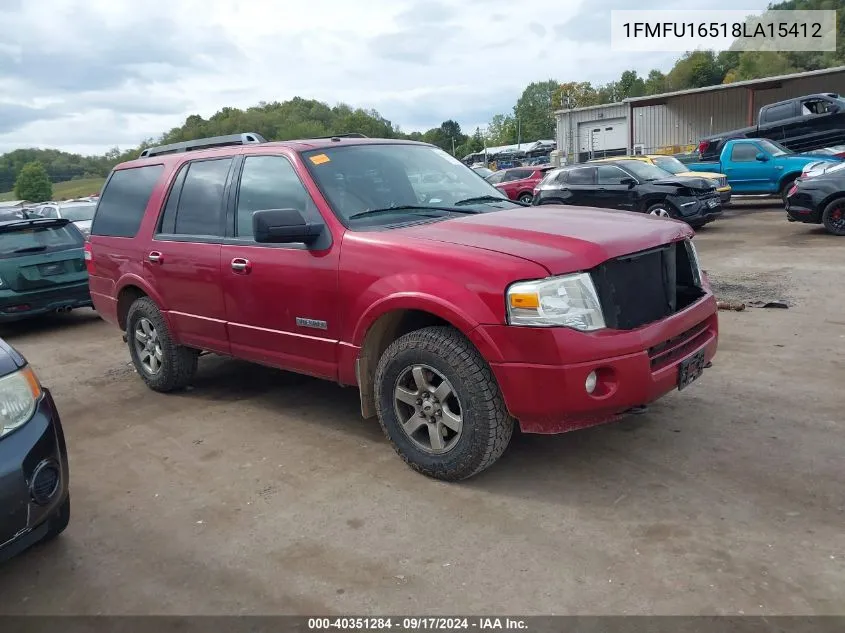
(598, 138)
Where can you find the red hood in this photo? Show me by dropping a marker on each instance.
(561, 238)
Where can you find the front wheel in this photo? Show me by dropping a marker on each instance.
(784, 191)
(440, 406)
(833, 217)
(661, 209)
(161, 363)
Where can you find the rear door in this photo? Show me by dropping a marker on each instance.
(581, 184)
(281, 299)
(182, 260)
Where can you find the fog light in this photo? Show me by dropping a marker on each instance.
(590, 383)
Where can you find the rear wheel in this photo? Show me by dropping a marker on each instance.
(833, 217)
(439, 404)
(526, 198)
(161, 363)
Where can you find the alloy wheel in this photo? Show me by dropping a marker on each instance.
(148, 346)
(428, 409)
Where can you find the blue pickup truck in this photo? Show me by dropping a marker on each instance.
(759, 166)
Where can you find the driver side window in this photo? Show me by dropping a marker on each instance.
(270, 182)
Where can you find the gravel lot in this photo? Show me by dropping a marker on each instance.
(264, 492)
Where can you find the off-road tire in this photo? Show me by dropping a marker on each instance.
(487, 425)
(827, 217)
(179, 364)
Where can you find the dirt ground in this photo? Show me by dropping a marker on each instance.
(263, 492)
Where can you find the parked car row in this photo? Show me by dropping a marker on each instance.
(79, 211)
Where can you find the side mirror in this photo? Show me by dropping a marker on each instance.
(628, 181)
(284, 226)
(762, 157)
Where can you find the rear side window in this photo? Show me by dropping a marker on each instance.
(29, 240)
(779, 112)
(124, 200)
(583, 176)
(195, 204)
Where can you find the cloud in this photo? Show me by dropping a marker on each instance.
(85, 75)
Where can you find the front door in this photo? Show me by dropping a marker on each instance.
(611, 193)
(281, 299)
(183, 259)
(747, 174)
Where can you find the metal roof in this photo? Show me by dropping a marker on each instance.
(750, 83)
(592, 107)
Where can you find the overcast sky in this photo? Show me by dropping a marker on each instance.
(86, 75)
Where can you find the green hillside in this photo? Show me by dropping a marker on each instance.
(66, 190)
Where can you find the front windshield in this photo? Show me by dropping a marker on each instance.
(671, 164)
(775, 149)
(410, 182)
(644, 171)
(79, 212)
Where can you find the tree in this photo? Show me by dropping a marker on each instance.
(501, 130)
(575, 94)
(655, 83)
(630, 84)
(696, 69)
(535, 110)
(33, 183)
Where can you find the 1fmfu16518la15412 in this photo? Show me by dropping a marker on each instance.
(456, 312)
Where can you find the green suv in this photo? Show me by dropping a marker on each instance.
(42, 267)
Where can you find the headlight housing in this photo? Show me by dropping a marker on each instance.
(563, 301)
(19, 393)
(692, 253)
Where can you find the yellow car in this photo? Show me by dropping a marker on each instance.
(676, 167)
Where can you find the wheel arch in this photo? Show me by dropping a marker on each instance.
(396, 316)
(128, 290)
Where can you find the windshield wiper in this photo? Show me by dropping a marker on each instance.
(408, 207)
(31, 249)
(478, 199)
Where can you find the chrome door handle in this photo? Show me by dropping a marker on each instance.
(241, 265)
(155, 257)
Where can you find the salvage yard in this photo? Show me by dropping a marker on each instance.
(264, 492)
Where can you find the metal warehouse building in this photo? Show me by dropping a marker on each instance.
(674, 122)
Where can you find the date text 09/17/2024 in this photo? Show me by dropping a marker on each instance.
(762, 30)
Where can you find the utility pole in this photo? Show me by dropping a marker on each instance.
(453, 146)
(518, 133)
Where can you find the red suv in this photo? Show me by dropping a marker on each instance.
(453, 310)
(518, 182)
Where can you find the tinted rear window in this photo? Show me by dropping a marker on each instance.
(124, 201)
(29, 240)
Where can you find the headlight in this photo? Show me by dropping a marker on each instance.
(568, 301)
(18, 394)
(696, 264)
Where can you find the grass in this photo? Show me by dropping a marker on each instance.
(66, 190)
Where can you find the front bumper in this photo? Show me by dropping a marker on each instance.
(635, 367)
(25, 455)
(21, 305)
(725, 195)
(698, 211)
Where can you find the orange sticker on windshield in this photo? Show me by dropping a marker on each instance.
(319, 159)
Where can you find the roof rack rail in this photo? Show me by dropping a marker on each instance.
(345, 135)
(247, 138)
